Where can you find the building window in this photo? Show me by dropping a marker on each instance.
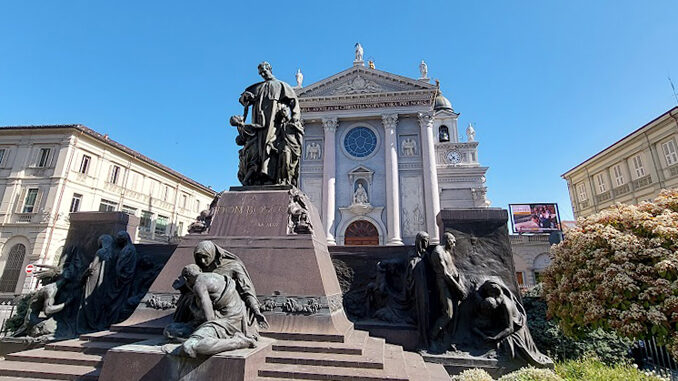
(129, 210)
(184, 200)
(669, 149)
(600, 179)
(638, 166)
(31, 200)
(115, 174)
(13, 268)
(443, 134)
(2, 155)
(519, 278)
(133, 181)
(582, 192)
(145, 222)
(165, 192)
(360, 142)
(618, 175)
(180, 230)
(84, 164)
(75, 203)
(197, 206)
(107, 206)
(43, 157)
(161, 225)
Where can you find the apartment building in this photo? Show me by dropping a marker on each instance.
(634, 169)
(48, 172)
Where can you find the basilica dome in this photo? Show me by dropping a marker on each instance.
(442, 103)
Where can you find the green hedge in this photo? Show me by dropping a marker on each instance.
(548, 336)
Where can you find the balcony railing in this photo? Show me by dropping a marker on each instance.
(642, 182)
(603, 196)
(622, 189)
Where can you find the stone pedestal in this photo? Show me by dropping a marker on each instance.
(293, 274)
(146, 360)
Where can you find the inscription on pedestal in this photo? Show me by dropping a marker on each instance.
(251, 214)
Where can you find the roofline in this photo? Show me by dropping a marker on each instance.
(314, 85)
(670, 113)
(105, 139)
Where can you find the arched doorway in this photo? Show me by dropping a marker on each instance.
(361, 233)
(13, 268)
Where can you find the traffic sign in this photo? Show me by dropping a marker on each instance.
(30, 268)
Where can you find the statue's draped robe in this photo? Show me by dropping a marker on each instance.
(230, 315)
(418, 291)
(267, 97)
(520, 341)
(92, 315)
(291, 140)
(119, 290)
(232, 267)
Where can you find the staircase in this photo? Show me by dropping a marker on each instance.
(76, 359)
(356, 356)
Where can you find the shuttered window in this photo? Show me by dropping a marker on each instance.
(13, 268)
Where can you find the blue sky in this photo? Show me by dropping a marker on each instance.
(547, 84)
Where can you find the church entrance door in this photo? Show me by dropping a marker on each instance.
(361, 233)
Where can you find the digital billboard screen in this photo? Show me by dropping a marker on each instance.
(535, 218)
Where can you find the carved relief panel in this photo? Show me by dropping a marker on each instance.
(413, 213)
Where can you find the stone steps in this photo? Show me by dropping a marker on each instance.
(42, 355)
(23, 369)
(326, 359)
(116, 337)
(75, 359)
(310, 372)
(319, 337)
(87, 347)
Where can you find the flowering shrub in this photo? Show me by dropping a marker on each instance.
(473, 375)
(531, 374)
(618, 270)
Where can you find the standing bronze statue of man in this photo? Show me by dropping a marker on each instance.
(272, 141)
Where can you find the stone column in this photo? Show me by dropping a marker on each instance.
(329, 177)
(392, 184)
(431, 191)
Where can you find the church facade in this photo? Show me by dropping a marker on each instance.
(382, 156)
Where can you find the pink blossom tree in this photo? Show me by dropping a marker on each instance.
(618, 270)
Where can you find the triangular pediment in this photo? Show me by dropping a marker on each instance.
(361, 80)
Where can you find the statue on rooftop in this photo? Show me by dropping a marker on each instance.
(299, 77)
(358, 52)
(272, 141)
(423, 70)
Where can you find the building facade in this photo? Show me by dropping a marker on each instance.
(531, 257)
(632, 170)
(382, 156)
(48, 172)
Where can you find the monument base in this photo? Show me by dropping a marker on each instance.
(147, 360)
(457, 363)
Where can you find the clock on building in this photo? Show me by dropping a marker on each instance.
(453, 157)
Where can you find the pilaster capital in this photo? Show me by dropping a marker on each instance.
(390, 121)
(330, 124)
(425, 119)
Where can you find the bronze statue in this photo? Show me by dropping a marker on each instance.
(500, 320)
(218, 304)
(35, 326)
(448, 287)
(272, 141)
(212, 258)
(417, 287)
